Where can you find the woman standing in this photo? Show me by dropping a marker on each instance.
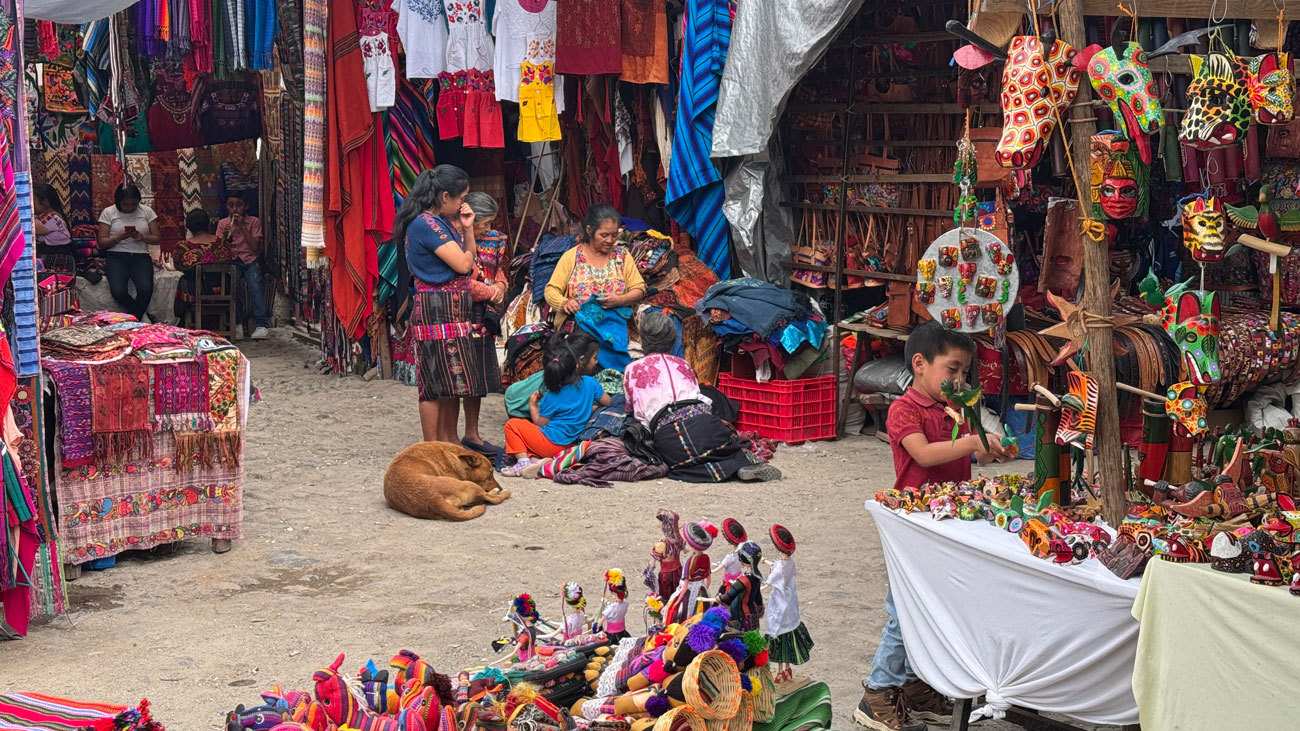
(438, 229)
(595, 268)
(128, 232)
(488, 290)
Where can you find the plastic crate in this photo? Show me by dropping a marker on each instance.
(788, 411)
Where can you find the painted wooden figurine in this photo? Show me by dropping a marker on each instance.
(698, 537)
(788, 638)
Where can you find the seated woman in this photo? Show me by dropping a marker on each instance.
(518, 393)
(595, 268)
(199, 247)
(561, 409)
(663, 393)
(53, 239)
(130, 237)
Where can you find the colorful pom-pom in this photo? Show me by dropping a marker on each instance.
(735, 648)
(657, 705)
(761, 659)
(754, 641)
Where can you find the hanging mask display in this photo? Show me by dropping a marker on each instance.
(1035, 89)
(1185, 405)
(1120, 181)
(1271, 87)
(1121, 77)
(1218, 103)
(1204, 228)
(1192, 319)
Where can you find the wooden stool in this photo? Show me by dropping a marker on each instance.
(220, 305)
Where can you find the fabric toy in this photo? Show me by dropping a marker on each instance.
(744, 597)
(667, 556)
(342, 705)
(258, 718)
(573, 609)
(1204, 227)
(613, 614)
(1218, 102)
(734, 534)
(698, 537)
(1122, 78)
(788, 640)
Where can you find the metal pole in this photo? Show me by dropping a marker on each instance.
(837, 309)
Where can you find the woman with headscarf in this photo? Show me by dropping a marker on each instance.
(663, 393)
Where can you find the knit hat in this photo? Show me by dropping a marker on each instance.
(749, 553)
(697, 536)
(782, 539)
(734, 532)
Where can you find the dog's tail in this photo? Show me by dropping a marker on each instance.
(455, 512)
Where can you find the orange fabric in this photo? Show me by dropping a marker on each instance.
(351, 182)
(523, 436)
(650, 69)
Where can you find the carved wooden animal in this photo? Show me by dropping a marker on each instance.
(436, 480)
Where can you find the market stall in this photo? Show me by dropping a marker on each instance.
(149, 440)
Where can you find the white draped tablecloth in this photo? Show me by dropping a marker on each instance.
(980, 615)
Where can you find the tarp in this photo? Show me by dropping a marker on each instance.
(773, 44)
(73, 12)
(761, 228)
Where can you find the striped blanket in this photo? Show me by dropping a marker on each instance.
(37, 712)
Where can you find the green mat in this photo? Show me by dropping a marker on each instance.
(807, 709)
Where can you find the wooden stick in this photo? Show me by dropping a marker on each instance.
(1268, 247)
(1138, 391)
(1031, 407)
(1045, 393)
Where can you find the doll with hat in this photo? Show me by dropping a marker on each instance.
(788, 638)
(733, 533)
(613, 613)
(697, 537)
(744, 596)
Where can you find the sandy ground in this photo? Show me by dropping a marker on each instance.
(326, 567)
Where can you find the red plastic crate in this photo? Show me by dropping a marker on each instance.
(789, 411)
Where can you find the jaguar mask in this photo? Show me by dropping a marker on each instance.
(1204, 227)
(1185, 405)
(1218, 103)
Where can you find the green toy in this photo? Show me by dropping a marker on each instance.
(967, 399)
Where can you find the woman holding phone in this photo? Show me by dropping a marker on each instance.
(130, 238)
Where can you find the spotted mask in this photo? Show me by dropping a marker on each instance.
(1204, 228)
(1271, 83)
(1184, 404)
(1218, 103)
(1035, 90)
(1192, 319)
(1121, 77)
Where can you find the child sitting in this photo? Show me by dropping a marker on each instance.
(920, 436)
(561, 409)
(518, 393)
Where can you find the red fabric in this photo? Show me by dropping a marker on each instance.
(916, 413)
(350, 126)
(588, 37)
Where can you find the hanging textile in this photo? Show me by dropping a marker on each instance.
(587, 38)
(408, 128)
(22, 274)
(8, 76)
(11, 233)
(236, 36)
(47, 576)
(645, 42)
(695, 191)
(260, 19)
(315, 17)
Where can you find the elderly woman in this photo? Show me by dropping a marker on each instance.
(594, 269)
(488, 291)
(663, 393)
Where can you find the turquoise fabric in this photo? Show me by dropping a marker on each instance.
(518, 393)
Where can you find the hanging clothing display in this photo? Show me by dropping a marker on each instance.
(588, 37)
(314, 19)
(468, 44)
(539, 120)
(230, 111)
(381, 81)
(171, 117)
(525, 33)
(260, 32)
(645, 42)
(422, 26)
(695, 191)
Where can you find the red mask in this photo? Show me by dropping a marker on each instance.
(1119, 197)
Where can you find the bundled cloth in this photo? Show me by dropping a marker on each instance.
(757, 307)
(35, 711)
(84, 344)
(604, 461)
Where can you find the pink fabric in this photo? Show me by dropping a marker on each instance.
(656, 381)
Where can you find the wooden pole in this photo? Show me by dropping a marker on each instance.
(1096, 290)
(837, 366)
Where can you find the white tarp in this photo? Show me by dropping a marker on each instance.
(73, 12)
(980, 615)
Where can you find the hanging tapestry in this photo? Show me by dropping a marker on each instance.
(315, 14)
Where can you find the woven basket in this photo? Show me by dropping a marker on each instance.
(711, 684)
(681, 718)
(742, 721)
(765, 701)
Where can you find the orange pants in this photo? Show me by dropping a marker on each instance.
(523, 436)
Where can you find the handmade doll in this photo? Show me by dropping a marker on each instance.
(667, 555)
(695, 582)
(734, 533)
(744, 597)
(613, 614)
(574, 610)
(787, 637)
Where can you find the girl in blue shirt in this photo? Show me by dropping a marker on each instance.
(561, 409)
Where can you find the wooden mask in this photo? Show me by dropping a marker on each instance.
(1192, 319)
(1204, 228)
(1271, 88)
(1035, 89)
(1121, 77)
(1218, 103)
(1120, 181)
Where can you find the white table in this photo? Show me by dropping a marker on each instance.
(980, 615)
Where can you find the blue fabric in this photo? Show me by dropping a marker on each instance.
(518, 393)
(758, 307)
(635, 224)
(569, 410)
(890, 668)
(695, 195)
(608, 421)
(802, 331)
(609, 327)
(26, 340)
(422, 240)
(545, 257)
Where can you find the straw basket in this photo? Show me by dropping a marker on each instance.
(765, 701)
(681, 718)
(711, 684)
(742, 721)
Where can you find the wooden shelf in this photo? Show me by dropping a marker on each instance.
(1158, 8)
(936, 36)
(880, 178)
(853, 272)
(890, 108)
(933, 212)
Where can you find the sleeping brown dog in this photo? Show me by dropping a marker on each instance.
(439, 480)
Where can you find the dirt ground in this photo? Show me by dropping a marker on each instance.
(325, 567)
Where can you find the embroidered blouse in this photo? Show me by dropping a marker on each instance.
(656, 381)
(576, 278)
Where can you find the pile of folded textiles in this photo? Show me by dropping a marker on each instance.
(37, 712)
(778, 328)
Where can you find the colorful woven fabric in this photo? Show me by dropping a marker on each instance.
(48, 595)
(11, 234)
(164, 172)
(606, 461)
(314, 127)
(694, 194)
(139, 173)
(80, 191)
(72, 387)
(37, 712)
(188, 167)
(119, 400)
(181, 397)
(26, 336)
(106, 174)
(565, 459)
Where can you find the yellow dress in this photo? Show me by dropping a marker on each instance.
(538, 120)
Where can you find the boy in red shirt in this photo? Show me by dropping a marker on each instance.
(920, 436)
